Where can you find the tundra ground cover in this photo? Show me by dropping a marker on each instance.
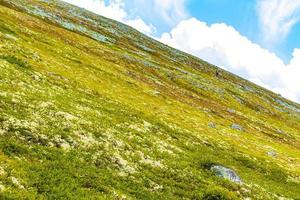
(92, 109)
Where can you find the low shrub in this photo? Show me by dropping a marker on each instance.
(218, 194)
(14, 61)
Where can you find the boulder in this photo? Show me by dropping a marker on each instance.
(226, 173)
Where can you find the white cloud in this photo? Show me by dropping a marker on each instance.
(222, 45)
(277, 18)
(162, 12)
(171, 10)
(114, 9)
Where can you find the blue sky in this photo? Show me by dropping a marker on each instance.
(242, 16)
(256, 39)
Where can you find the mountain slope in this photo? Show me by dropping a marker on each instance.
(92, 109)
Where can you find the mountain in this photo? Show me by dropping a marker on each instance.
(93, 109)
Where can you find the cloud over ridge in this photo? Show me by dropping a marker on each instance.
(222, 45)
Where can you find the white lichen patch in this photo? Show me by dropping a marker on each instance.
(46, 104)
(86, 139)
(147, 125)
(137, 128)
(16, 183)
(118, 143)
(83, 108)
(59, 142)
(2, 132)
(155, 187)
(65, 146)
(3, 94)
(119, 196)
(2, 171)
(294, 179)
(66, 116)
(167, 148)
(19, 124)
(124, 165)
(2, 187)
(143, 127)
(163, 148)
(145, 159)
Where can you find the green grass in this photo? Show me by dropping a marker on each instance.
(14, 61)
(83, 117)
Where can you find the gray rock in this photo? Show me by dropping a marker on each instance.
(272, 153)
(232, 111)
(226, 173)
(237, 127)
(248, 89)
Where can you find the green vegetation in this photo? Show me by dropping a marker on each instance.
(14, 60)
(92, 109)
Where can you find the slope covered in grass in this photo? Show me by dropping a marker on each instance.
(93, 109)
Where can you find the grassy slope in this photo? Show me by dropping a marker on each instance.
(92, 109)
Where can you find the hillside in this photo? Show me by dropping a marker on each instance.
(93, 109)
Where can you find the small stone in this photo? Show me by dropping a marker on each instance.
(156, 93)
(231, 111)
(226, 173)
(272, 153)
(237, 127)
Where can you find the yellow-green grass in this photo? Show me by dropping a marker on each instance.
(119, 115)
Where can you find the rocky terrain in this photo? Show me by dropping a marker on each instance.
(93, 109)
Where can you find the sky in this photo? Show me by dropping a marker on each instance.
(256, 39)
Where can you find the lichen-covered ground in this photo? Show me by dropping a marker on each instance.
(92, 109)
